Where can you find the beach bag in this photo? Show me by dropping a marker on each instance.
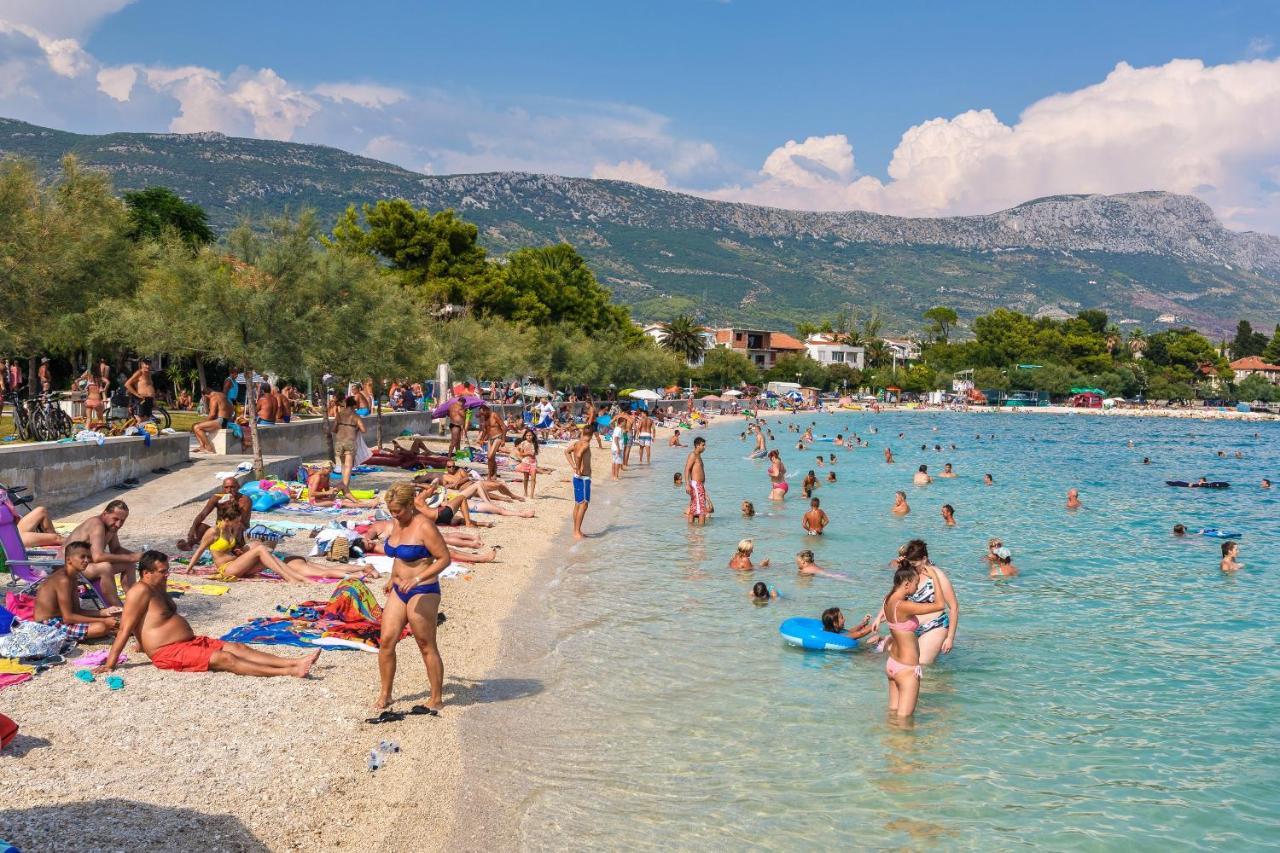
(33, 640)
(20, 605)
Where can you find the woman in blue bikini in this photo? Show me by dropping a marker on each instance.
(413, 593)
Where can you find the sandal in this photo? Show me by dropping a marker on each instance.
(387, 716)
(419, 710)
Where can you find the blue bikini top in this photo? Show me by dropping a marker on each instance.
(407, 553)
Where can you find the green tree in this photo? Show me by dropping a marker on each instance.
(811, 373)
(1272, 353)
(1247, 342)
(684, 337)
(1256, 387)
(990, 379)
(552, 284)
(1096, 320)
(725, 368)
(941, 319)
(154, 210)
(842, 377)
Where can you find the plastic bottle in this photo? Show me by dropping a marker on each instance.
(375, 761)
(388, 747)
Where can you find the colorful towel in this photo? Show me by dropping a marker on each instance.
(98, 658)
(9, 680)
(11, 666)
(272, 632)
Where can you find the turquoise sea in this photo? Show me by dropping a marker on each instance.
(1120, 693)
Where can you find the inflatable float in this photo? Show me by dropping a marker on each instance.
(808, 634)
(1183, 484)
(1220, 534)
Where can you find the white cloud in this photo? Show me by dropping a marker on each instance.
(635, 171)
(1213, 131)
(60, 18)
(361, 94)
(117, 82)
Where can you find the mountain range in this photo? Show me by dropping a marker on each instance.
(1140, 256)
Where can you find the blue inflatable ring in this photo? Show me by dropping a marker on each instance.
(808, 634)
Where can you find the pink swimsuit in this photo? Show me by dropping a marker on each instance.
(893, 667)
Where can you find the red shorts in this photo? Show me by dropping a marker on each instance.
(697, 499)
(187, 656)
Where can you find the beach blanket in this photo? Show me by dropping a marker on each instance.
(10, 679)
(272, 632)
(349, 619)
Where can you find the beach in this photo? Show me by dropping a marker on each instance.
(268, 763)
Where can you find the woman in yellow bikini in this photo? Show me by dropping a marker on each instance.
(236, 560)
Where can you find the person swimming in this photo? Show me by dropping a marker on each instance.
(987, 481)
(831, 476)
(748, 509)
(833, 623)
(900, 505)
(741, 559)
(1229, 563)
(1179, 530)
(762, 593)
(1073, 499)
(922, 477)
(815, 520)
(948, 515)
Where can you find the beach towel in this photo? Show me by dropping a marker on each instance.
(21, 606)
(363, 452)
(272, 632)
(8, 680)
(11, 666)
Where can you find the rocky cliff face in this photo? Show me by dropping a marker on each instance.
(1138, 255)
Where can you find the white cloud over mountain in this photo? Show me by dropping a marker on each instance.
(1213, 131)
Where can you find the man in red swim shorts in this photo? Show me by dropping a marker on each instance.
(167, 638)
(695, 479)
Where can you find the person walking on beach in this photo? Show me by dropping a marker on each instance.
(695, 480)
(778, 484)
(493, 433)
(347, 427)
(579, 456)
(419, 555)
(644, 438)
(457, 414)
(617, 445)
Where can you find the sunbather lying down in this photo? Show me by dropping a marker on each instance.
(320, 491)
(235, 558)
(167, 638)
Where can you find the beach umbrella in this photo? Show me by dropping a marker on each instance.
(731, 393)
(710, 398)
(645, 394)
(532, 390)
(470, 401)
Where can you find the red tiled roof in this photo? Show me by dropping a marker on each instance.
(781, 340)
(1253, 363)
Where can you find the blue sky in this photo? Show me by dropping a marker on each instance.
(801, 104)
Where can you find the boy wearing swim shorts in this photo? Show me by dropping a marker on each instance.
(579, 456)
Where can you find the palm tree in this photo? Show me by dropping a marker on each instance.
(877, 354)
(683, 336)
(1137, 342)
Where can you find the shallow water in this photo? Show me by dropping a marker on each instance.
(1120, 692)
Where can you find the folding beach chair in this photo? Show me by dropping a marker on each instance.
(14, 557)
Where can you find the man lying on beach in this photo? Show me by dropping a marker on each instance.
(815, 520)
(107, 557)
(230, 492)
(166, 637)
(58, 600)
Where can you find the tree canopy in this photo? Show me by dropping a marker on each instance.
(155, 210)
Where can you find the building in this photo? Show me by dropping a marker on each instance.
(827, 349)
(656, 331)
(762, 347)
(1243, 368)
(902, 351)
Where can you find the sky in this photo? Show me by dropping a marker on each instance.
(911, 108)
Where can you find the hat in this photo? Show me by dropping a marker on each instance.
(44, 360)
(1003, 553)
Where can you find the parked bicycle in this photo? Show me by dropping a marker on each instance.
(41, 419)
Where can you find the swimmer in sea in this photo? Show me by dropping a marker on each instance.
(810, 483)
(819, 460)
(1266, 484)
(678, 479)
(948, 515)
(806, 566)
(1146, 460)
(900, 506)
(922, 477)
(832, 458)
(947, 472)
(778, 485)
(748, 509)
(831, 476)
(1002, 563)
(888, 455)
(762, 593)
(815, 520)
(741, 559)
(1179, 530)
(833, 623)
(990, 557)
(1073, 499)
(987, 481)
(1230, 550)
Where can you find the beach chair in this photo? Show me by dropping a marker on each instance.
(14, 557)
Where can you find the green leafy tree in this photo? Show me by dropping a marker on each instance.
(726, 368)
(552, 284)
(156, 209)
(990, 379)
(941, 319)
(1272, 353)
(811, 373)
(1247, 342)
(1096, 320)
(1256, 387)
(684, 337)
(843, 377)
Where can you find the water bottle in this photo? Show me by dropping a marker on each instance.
(388, 747)
(375, 761)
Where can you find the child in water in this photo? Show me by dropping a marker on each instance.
(748, 509)
(1229, 552)
(833, 623)
(762, 593)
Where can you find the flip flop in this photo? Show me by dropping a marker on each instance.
(419, 710)
(385, 717)
(115, 682)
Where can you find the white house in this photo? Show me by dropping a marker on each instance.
(903, 351)
(829, 349)
(656, 331)
(1246, 367)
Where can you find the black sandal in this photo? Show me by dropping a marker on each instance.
(419, 710)
(387, 716)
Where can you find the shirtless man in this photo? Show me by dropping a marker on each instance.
(44, 376)
(675, 441)
(58, 600)
(284, 410)
(167, 638)
(695, 483)
(947, 472)
(266, 406)
(591, 417)
(900, 506)
(457, 415)
(104, 375)
(107, 557)
(579, 456)
(230, 492)
(644, 437)
(922, 477)
(1073, 499)
(140, 387)
(493, 432)
(221, 414)
(815, 520)
(888, 455)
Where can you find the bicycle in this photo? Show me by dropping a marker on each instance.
(48, 421)
(118, 417)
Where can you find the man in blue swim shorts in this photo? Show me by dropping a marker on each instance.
(579, 456)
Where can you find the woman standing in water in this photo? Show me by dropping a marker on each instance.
(902, 664)
(413, 593)
(938, 626)
(777, 477)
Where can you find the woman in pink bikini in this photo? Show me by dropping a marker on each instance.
(902, 664)
(777, 477)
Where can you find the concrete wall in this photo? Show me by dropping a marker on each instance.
(306, 438)
(61, 473)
